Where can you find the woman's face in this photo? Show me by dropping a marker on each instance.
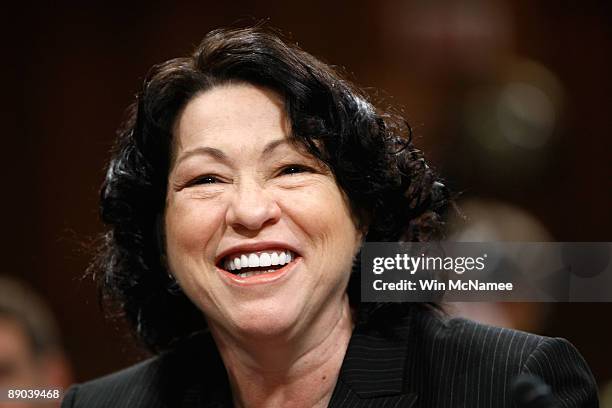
(240, 195)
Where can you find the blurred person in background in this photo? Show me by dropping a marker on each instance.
(494, 221)
(31, 356)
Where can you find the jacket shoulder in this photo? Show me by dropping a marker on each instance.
(481, 362)
(472, 340)
(135, 386)
(180, 377)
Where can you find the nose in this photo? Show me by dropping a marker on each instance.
(251, 208)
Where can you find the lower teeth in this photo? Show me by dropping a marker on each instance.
(247, 274)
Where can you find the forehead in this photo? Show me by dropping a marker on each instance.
(230, 115)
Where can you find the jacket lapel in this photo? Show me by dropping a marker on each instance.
(206, 384)
(373, 372)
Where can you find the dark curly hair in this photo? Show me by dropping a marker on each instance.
(389, 185)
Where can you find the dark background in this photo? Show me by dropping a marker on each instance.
(70, 70)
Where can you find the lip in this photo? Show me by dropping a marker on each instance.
(261, 279)
(255, 247)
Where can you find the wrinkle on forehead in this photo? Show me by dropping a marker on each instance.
(284, 121)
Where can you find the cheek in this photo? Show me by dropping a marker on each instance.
(323, 214)
(192, 226)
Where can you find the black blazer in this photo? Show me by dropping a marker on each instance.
(434, 362)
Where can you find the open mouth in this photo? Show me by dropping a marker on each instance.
(249, 264)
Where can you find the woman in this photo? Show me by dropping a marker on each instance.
(246, 180)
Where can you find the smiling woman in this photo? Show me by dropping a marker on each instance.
(242, 188)
(241, 192)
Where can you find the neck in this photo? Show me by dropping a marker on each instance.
(298, 370)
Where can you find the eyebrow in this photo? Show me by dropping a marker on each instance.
(273, 145)
(221, 156)
(203, 150)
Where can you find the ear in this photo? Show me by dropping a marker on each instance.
(362, 221)
(361, 232)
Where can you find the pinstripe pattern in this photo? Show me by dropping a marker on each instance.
(429, 362)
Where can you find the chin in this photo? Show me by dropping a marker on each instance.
(266, 321)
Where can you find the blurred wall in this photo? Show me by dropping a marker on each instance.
(70, 70)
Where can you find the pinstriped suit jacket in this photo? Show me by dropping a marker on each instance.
(432, 362)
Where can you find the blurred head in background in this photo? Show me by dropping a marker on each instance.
(30, 351)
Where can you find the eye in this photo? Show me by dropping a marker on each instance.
(208, 179)
(294, 169)
(201, 181)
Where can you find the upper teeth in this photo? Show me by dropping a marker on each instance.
(261, 259)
